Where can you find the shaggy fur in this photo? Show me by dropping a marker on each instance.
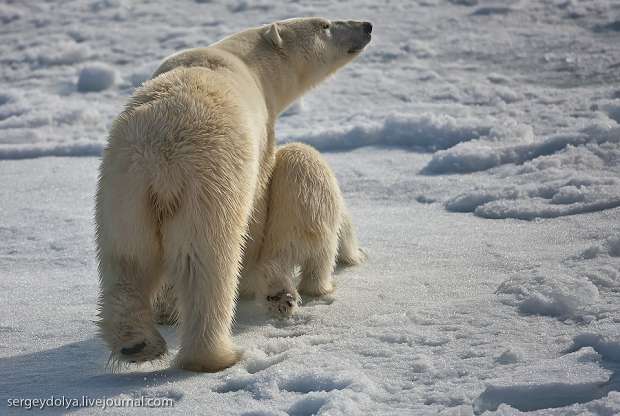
(307, 227)
(184, 179)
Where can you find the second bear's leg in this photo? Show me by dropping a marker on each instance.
(274, 286)
(349, 251)
(316, 270)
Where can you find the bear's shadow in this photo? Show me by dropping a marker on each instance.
(79, 369)
(73, 370)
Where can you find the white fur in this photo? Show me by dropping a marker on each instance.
(307, 226)
(184, 179)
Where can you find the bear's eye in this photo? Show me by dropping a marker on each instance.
(325, 26)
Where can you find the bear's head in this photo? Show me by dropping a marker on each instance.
(316, 47)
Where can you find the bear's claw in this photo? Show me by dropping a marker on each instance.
(282, 303)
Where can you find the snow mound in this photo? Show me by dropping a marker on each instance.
(510, 356)
(63, 52)
(590, 252)
(9, 14)
(607, 347)
(312, 389)
(480, 155)
(564, 175)
(60, 149)
(11, 105)
(613, 246)
(546, 200)
(551, 293)
(531, 209)
(573, 378)
(612, 109)
(426, 132)
(248, 5)
(464, 2)
(491, 10)
(605, 276)
(95, 77)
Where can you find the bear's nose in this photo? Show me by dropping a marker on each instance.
(367, 27)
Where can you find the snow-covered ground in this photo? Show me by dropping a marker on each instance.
(478, 147)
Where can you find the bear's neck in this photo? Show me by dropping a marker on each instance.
(279, 82)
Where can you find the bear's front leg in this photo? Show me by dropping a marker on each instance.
(275, 290)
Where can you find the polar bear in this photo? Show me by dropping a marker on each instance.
(184, 177)
(307, 226)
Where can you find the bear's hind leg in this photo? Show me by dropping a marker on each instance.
(202, 244)
(349, 251)
(316, 270)
(129, 258)
(126, 316)
(164, 306)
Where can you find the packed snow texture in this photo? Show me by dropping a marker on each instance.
(574, 378)
(551, 293)
(477, 144)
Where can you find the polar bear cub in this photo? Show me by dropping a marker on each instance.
(184, 181)
(307, 227)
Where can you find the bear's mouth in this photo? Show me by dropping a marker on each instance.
(359, 48)
(356, 49)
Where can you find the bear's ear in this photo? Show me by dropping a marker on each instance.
(272, 34)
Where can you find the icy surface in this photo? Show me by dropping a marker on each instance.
(477, 144)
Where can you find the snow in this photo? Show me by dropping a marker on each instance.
(476, 156)
(551, 293)
(425, 132)
(510, 356)
(613, 246)
(573, 378)
(96, 77)
(477, 144)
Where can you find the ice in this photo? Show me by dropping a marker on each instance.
(425, 132)
(477, 145)
(478, 156)
(612, 108)
(510, 356)
(608, 347)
